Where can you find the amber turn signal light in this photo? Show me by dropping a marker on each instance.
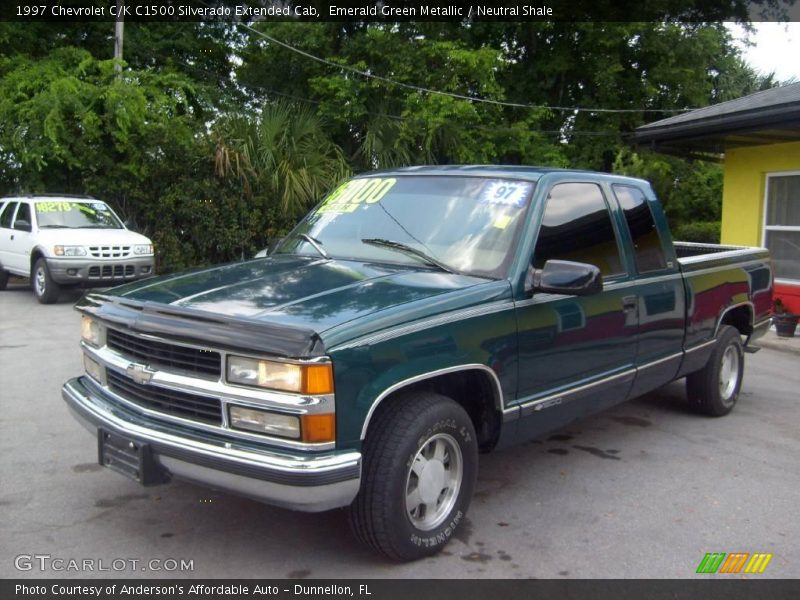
(319, 428)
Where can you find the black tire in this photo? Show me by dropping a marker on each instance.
(3, 279)
(44, 288)
(714, 389)
(402, 447)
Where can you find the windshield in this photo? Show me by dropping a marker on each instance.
(65, 214)
(463, 224)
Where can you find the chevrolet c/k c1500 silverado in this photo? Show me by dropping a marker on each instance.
(414, 318)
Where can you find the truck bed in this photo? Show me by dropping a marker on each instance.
(718, 278)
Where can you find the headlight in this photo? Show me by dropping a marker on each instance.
(92, 332)
(262, 421)
(93, 369)
(308, 428)
(69, 251)
(143, 249)
(287, 377)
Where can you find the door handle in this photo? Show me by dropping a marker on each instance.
(629, 303)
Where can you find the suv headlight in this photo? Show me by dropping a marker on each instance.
(92, 332)
(69, 251)
(143, 249)
(286, 377)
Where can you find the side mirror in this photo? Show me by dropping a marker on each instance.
(564, 277)
(22, 225)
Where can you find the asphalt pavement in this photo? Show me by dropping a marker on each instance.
(644, 490)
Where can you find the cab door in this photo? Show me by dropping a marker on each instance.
(576, 353)
(661, 298)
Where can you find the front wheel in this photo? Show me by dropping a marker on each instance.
(714, 389)
(3, 279)
(420, 465)
(44, 288)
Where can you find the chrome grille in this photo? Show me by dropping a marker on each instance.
(171, 402)
(163, 355)
(110, 251)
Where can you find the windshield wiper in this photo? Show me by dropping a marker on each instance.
(55, 227)
(401, 247)
(316, 244)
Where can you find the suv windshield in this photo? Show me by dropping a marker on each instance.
(66, 214)
(463, 224)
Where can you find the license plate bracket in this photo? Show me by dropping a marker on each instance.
(129, 457)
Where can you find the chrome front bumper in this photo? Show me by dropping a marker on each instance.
(310, 483)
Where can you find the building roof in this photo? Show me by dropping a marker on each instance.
(767, 117)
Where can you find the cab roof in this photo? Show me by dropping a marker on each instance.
(530, 173)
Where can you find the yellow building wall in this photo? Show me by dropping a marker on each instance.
(744, 187)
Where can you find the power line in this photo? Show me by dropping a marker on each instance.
(452, 94)
(456, 125)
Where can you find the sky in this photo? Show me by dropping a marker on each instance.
(776, 47)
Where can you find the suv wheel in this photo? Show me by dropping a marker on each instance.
(420, 465)
(3, 279)
(44, 288)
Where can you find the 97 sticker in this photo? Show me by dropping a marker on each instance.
(506, 193)
(350, 195)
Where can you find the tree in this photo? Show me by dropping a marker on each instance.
(283, 158)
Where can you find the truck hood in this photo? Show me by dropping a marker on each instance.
(296, 291)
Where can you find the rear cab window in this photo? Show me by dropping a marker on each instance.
(648, 247)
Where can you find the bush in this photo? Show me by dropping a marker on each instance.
(705, 232)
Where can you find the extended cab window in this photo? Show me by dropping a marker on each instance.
(577, 226)
(647, 246)
(7, 215)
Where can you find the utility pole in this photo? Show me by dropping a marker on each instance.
(119, 28)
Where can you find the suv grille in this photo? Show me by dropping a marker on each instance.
(162, 355)
(171, 402)
(110, 251)
(112, 271)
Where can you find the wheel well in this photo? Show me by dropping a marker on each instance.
(473, 389)
(739, 317)
(35, 255)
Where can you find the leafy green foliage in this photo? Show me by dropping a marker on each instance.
(706, 232)
(689, 191)
(214, 139)
(283, 158)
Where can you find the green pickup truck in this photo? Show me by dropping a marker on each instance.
(414, 318)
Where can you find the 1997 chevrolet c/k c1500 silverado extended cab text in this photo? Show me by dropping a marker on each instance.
(414, 318)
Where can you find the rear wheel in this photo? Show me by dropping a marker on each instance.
(714, 389)
(44, 288)
(420, 465)
(3, 279)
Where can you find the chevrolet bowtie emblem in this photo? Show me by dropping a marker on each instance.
(139, 373)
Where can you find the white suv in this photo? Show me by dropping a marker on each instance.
(68, 240)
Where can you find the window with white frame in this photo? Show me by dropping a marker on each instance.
(782, 225)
